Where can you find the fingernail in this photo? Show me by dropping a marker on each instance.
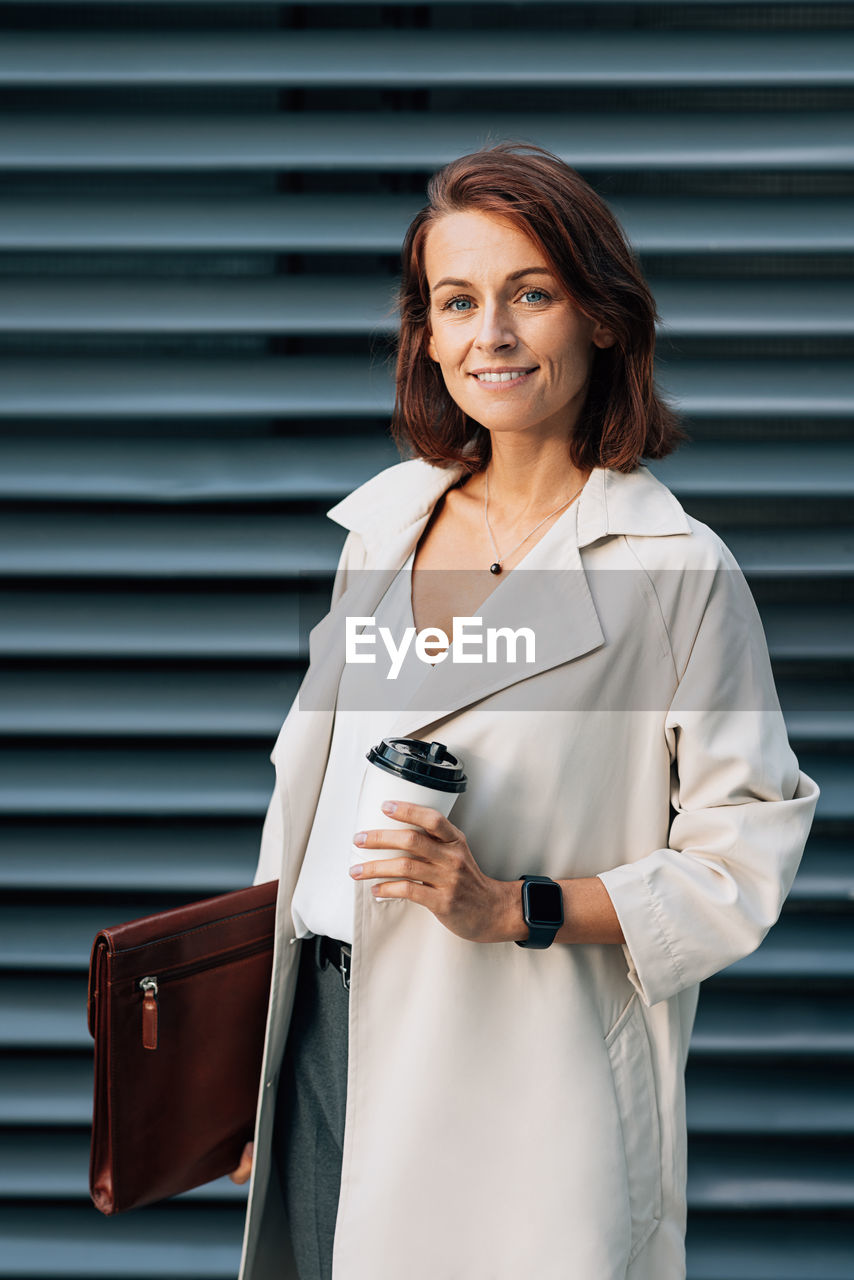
(355, 871)
(360, 837)
(389, 806)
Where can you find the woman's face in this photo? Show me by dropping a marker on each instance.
(514, 351)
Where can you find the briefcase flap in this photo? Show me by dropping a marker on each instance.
(202, 933)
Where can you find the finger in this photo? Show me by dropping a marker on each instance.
(409, 867)
(243, 1171)
(423, 894)
(424, 816)
(417, 843)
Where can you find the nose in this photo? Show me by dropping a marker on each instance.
(496, 331)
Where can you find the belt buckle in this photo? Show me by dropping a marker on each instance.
(345, 975)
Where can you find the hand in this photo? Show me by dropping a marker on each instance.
(463, 899)
(243, 1171)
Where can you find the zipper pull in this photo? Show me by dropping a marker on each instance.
(149, 1013)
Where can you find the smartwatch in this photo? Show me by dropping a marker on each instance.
(542, 907)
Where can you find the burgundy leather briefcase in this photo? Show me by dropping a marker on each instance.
(177, 1006)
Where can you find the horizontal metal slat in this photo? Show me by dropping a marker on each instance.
(300, 305)
(799, 947)
(46, 1012)
(146, 782)
(708, 225)
(349, 388)
(738, 1099)
(122, 624)
(814, 634)
(818, 711)
(46, 1090)
(754, 308)
(731, 1176)
(326, 468)
(67, 932)
(826, 872)
(148, 704)
(176, 546)
(197, 859)
(792, 553)
(387, 58)
(365, 306)
(736, 469)
(194, 1242)
(787, 1247)
(343, 223)
(304, 469)
(46, 1009)
(53, 1166)
(772, 1025)
(170, 548)
(262, 625)
(722, 1176)
(409, 141)
(43, 937)
(249, 704)
(766, 1100)
(210, 389)
(202, 1242)
(202, 859)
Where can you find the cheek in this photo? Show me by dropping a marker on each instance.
(447, 352)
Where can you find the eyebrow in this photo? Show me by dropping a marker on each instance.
(526, 271)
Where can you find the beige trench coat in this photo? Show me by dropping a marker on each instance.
(514, 1112)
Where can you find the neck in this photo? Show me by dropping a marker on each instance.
(525, 480)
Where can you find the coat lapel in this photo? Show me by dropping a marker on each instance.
(549, 592)
(549, 595)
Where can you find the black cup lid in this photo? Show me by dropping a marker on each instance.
(429, 763)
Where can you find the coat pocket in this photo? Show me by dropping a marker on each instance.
(634, 1084)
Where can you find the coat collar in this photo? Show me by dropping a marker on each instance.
(391, 510)
(611, 502)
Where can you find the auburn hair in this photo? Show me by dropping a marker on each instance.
(623, 417)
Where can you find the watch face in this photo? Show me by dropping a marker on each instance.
(545, 903)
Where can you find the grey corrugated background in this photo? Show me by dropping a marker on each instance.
(200, 212)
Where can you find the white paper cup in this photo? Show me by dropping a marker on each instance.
(379, 785)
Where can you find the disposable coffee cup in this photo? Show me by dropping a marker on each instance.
(410, 770)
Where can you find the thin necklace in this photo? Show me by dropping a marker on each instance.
(496, 567)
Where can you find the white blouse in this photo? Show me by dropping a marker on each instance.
(324, 897)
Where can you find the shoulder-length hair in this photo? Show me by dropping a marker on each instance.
(623, 418)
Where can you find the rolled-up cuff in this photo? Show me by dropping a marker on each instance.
(653, 969)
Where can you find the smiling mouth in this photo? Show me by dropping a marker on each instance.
(504, 377)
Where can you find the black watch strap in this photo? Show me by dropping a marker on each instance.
(540, 935)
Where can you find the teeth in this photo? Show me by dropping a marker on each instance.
(499, 377)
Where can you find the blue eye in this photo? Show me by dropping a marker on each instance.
(452, 304)
(539, 292)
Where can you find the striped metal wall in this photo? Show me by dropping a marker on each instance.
(200, 211)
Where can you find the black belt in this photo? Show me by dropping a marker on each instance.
(331, 951)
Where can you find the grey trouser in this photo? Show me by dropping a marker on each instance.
(309, 1125)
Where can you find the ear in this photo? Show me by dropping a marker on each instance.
(431, 348)
(603, 337)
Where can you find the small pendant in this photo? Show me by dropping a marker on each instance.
(495, 568)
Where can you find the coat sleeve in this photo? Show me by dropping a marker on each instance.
(741, 807)
(274, 830)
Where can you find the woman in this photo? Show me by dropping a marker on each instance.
(516, 1109)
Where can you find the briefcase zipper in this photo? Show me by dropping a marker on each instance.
(149, 1013)
(151, 987)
